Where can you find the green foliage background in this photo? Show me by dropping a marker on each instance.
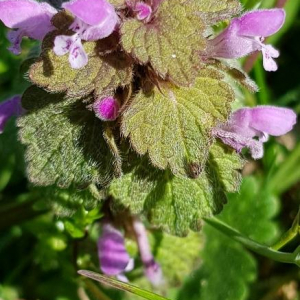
(40, 252)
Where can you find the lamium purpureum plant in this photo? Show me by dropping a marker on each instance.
(132, 100)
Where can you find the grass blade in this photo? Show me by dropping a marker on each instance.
(121, 285)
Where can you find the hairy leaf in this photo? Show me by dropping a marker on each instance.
(213, 11)
(66, 202)
(64, 141)
(102, 74)
(117, 2)
(234, 70)
(228, 268)
(174, 203)
(174, 125)
(170, 42)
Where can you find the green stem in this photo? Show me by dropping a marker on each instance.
(292, 258)
(290, 234)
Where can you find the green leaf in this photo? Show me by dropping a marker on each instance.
(121, 285)
(228, 268)
(102, 74)
(64, 141)
(252, 211)
(175, 203)
(174, 125)
(66, 202)
(213, 11)
(175, 264)
(117, 2)
(170, 42)
(235, 72)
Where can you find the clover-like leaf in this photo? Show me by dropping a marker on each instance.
(173, 203)
(103, 74)
(174, 125)
(228, 269)
(170, 42)
(65, 144)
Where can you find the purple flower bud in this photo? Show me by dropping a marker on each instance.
(107, 109)
(152, 269)
(94, 20)
(9, 108)
(29, 17)
(113, 257)
(143, 11)
(260, 122)
(246, 34)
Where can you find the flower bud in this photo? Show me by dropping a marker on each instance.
(107, 109)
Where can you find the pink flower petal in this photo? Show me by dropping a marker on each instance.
(9, 108)
(273, 120)
(113, 256)
(269, 63)
(92, 12)
(247, 123)
(245, 35)
(238, 142)
(97, 32)
(29, 15)
(63, 43)
(77, 57)
(261, 22)
(229, 44)
(152, 269)
(15, 38)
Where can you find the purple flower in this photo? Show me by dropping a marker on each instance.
(28, 17)
(107, 109)
(113, 257)
(9, 108)
(94, 20)
(152, 269)
(259, 122)
(246, 34)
